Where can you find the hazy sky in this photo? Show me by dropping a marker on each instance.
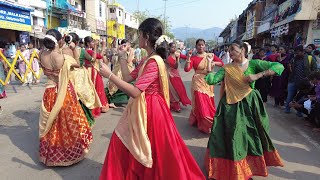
(193, 13)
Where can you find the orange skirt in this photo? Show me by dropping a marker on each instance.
(68, 140)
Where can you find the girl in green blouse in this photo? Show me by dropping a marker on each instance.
(239, 146)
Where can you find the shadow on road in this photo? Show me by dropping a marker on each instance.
(187, 131)
(26, 139)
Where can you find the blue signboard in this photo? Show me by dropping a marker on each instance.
(15, 15)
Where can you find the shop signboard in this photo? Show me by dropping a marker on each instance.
(15, 19)
(250, 25)
(288, 10)
(24, 38)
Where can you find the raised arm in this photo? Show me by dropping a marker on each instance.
(189, 63)
(264, 69)
(213, 79)
(123, 60)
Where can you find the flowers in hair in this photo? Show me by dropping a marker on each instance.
(249, 47)
(161, 39)
(48, 36)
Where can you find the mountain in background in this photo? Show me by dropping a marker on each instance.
(183, 33)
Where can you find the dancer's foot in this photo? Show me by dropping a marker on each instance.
(105, 109)
(112, 105)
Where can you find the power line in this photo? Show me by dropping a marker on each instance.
(189, 2)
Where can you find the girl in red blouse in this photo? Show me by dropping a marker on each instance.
(178, 93)
(203, 107)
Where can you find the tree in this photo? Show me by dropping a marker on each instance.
(142, 15)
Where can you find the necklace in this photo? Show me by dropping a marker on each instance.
(243, 63)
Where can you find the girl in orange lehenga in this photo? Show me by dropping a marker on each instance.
(64, 131)
(203, 107)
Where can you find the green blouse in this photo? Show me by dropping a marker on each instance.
(255, 66)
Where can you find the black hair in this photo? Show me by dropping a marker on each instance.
(152, 29)
(299, 48)
(72, 37)
(81, 41)
(87, 40)
(262, 49)
(304, 85)
(171, 44)
(241, 44)
(312, 46)
(48, 43)
(123, 41)
(267, 45)
(314, 75)
(284, 47)
(200, 40)
(316, 52)
(275, 46)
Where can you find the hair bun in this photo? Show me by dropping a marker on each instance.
(248, 46)
(68, 39)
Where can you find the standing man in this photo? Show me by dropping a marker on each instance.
(225, 56)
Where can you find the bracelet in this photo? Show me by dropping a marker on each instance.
(110, 75)
(188, 61)
(263, 73)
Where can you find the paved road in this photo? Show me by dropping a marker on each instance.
(298, 145)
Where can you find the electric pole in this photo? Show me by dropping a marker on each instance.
(164, 18)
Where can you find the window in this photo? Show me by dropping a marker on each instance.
(125, 16)
(112, 10)
(119, 13)
(100, 9)
(35, 20)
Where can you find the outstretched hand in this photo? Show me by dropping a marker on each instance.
(105, 71)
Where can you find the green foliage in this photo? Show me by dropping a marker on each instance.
(142, 15)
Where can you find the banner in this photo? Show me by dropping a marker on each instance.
(15, 19)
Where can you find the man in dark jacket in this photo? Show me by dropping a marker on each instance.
(300, 67)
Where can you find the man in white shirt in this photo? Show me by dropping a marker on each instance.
(225, 56)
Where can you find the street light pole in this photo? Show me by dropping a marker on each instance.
(165, 10)
(138, 5)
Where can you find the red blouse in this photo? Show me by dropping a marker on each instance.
(172, 60)
(149, 79)
(196, 60)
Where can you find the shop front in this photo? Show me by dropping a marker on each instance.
(292, 23)
(15, 23)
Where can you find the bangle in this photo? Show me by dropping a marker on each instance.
(110, 75)
(263, 73)
(188, 61)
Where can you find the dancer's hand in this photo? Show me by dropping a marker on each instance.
(105, 70)
(177, 54)
(189, 53)
(210, 58)
(252, 77)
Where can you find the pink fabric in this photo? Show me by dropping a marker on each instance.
(171, 157)
(195, 61)
(203, 113)
(99, 86)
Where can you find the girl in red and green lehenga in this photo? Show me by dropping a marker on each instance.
(239, 146)
(178, 93)
(146, 144)
(203, 107)
(65, 134)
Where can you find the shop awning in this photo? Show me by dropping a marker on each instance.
(15, 6)
(307, 11)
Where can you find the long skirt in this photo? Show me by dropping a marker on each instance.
(68, 140)
(171, 158)
(239, 146)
